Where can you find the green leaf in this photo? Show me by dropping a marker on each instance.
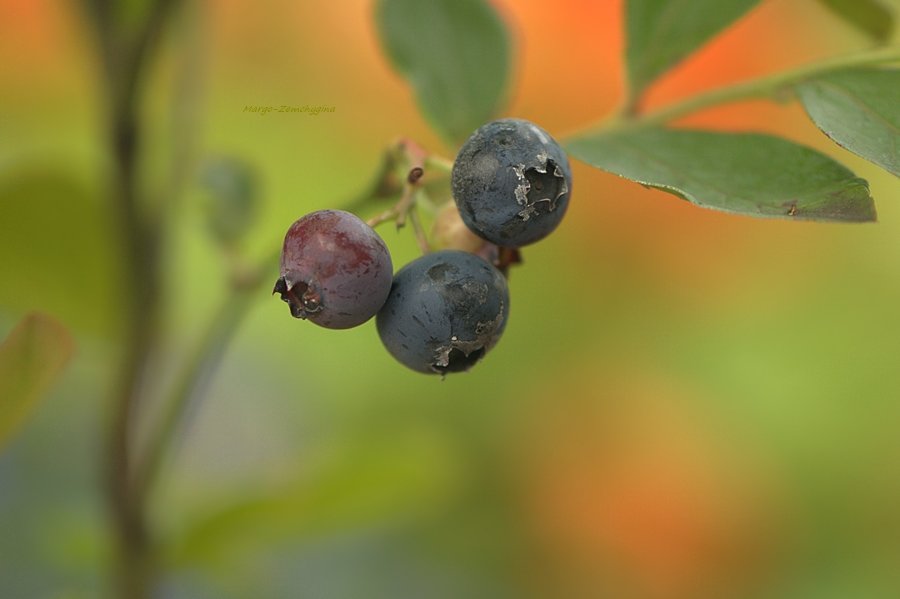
(743, 173)
(869, 16)
(661, 33)
(58, 231)
(31, 359)
(455, 54)
(860, 110)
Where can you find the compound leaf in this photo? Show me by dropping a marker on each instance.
(455, 54)
(742, 173)
(31, 358)
(661, 33)
(860, 110)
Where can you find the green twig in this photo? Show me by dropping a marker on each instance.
(198, 370)
(770, 86)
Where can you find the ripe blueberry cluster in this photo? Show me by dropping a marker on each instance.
(444, 311)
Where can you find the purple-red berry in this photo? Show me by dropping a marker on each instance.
(335, 270)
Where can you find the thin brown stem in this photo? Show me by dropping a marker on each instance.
(416, 159)
(421, 237)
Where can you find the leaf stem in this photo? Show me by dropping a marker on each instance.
(770, 86)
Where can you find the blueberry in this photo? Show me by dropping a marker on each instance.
(335, 270)
(511, 182)
(444, 312)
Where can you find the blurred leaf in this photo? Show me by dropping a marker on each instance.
(124, 15)
(31, 359)
(745, 173)
(366, 485)
(859, 110)
(57, 247)
(661, 33)
(233, 198)
(456, 56)
(869, 16)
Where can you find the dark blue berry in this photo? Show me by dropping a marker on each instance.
(335, 270)
(511, 182)
(444, 312)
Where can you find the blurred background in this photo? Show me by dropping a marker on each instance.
(685, 404)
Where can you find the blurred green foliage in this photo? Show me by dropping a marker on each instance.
(871, 17)
(31, 359)
(233, 202)
(662, 33)
(60, 246)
